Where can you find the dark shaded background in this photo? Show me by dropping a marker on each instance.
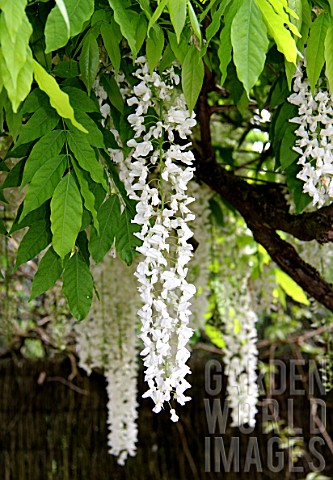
(50, 431)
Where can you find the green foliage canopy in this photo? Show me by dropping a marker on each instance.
(234, 56)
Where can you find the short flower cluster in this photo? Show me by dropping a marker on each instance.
(241, 354)
(315, 134)
(156, 174)
(107, 339)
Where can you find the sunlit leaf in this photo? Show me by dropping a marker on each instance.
(291, 288)
(57, 33)
(58, 99)
(276, 28)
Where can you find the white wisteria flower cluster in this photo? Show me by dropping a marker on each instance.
(199, 271)
(315, 134)
(107, 339)
(156, 174)
(240, 355)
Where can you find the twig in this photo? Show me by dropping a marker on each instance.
(67, 384)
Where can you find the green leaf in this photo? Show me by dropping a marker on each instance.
(15, 49)
(14, 13)
(78, 286)
(80, 100)
(67, 69)
(95, 135)
(39, 124)
(82, 244)
(207, 9)
(49, 270)
(58, 99)
(108, 218)
(126, 241)
(44, 183)
(291, 288)
(34, 101)
(177, 10)
(46, 148)
(13, 120)
(56, 31)
(111, 43)
(167, 59)
(282, 9)
(315, 50)
(89, 61)
(276, 28)
(215, 335)
(124, 17)
(140, 25)
(225, 47)
(250, 43)
(85, 156)
(41, 213)
(297, 7)
(34, 241)
(63, 10)
(290, 69)
(154, 47)
(287, 154)
(295, 186)
(158, 12)
(192, 76)
(215, 24)
(145, 6)
(194, 22)
(329, 55)
(88, 196)
(305, 25)
(180, 50)
(280, 125)
(112, 89)
(16, 61)
(66, 215)
(14, 177)
(279, 92)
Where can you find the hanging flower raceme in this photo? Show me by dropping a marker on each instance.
(240, 353)
(314, 143)
(107, 339)
(199, 272)
(156, 174)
